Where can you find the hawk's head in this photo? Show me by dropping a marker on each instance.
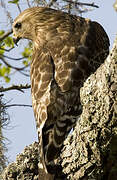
(36, 22)
(41, 24)
(22, 27)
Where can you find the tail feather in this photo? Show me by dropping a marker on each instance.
(53, 138)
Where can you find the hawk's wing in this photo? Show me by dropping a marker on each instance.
(41, 78)
(77, 51)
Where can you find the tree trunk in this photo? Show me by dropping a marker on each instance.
(90, 151)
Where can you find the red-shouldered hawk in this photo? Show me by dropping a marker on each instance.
(67, 49)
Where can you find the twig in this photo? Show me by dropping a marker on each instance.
(23, 105)
(3, 5)
(20, 70)
(28, 3)
(82, 4)
(15, 59)
(51, 3)
(27, 75)
(19, 8)
(6, 35)
(9, 65)
(15, 87)
(7, 50)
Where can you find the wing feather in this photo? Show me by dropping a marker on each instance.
(41, 79)
(78, 51)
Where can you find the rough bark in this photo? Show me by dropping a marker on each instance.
(90, 151)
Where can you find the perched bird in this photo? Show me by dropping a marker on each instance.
(67, 49)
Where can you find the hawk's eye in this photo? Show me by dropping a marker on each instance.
(18, 25)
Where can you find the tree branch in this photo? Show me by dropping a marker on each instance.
(9, 65)
(13, 67)
(18, 6)
(6, 35)
(82, 4)
(19, 105)
(7, 50)
(15, 87)
(28, 3)
(15, 59)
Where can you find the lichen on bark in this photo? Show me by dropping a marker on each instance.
(90, 151)
(26, 165)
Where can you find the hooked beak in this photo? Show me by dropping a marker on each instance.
(15, 40)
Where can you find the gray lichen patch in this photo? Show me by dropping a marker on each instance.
(26, 165)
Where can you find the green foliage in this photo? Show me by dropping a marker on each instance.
(1, 32)
(2, 50)
(7, 79)
(4, 72)
(27, 54)
(9, 42)
(6, 43)
(14, 1)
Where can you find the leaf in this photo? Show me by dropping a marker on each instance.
(14, 1)
(27, 52)
(25, 63)
(8, 70)
(7, 79)
(1, 32)
(9, 42)
(2, 50)
(4, 70)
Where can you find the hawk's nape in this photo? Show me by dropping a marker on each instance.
(67, 49)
